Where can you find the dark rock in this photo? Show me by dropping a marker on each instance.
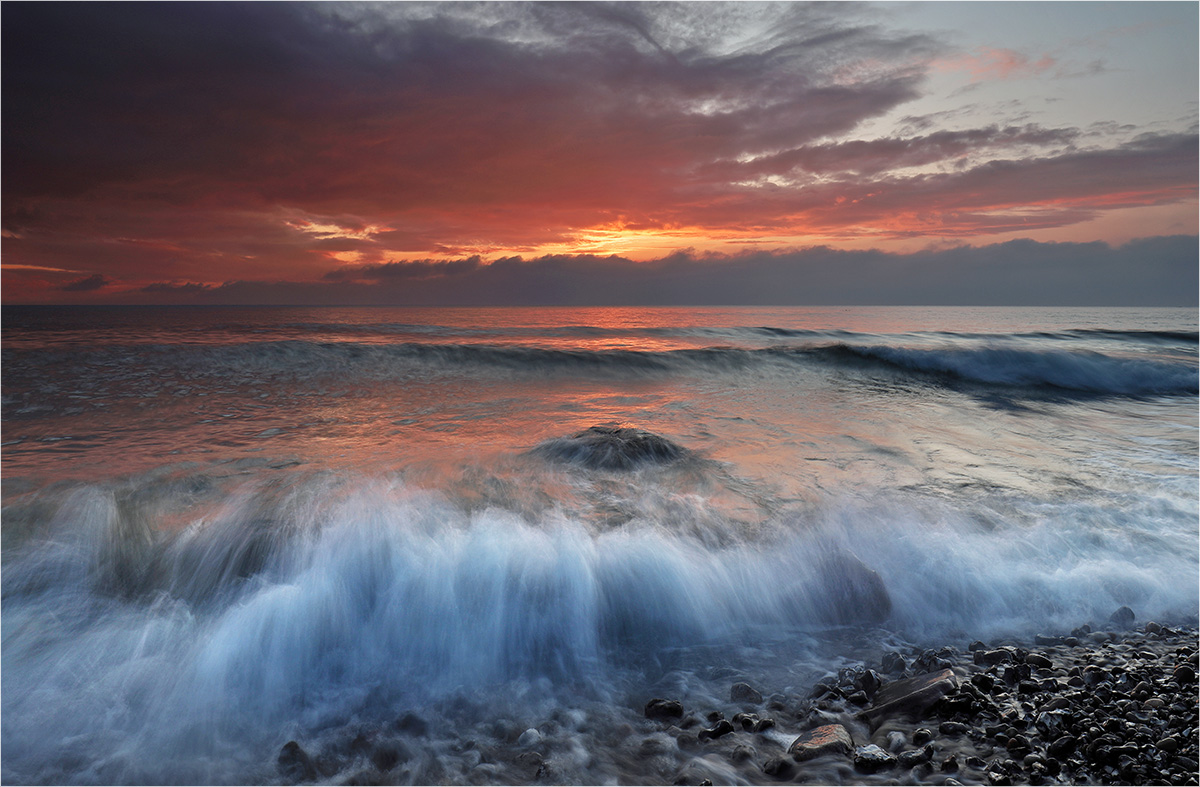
(612, 448)
(658, 708)
(1093, 675)
(829, 739)
(294, 763)
(1153, 628)
(977, 763)
(990, 657)
(1123, 617)
(1028, 687)
(984, 681)
(998, 777)
(1184, 675)
(921, 736)
(953, 728)
(743, 692)
(745, 720)
(910, 696)
(871, 758)
(893, 663)
(915, 757)
(868, 682)
(779, 767)
(976, 645)
(933, 660)
(858, 698)
(950, 764)
(742, 753)
(853, 592)
(722, 727)
(763, 725)
(1044, 640)
(1039, 661)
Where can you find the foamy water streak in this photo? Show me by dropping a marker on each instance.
(315, 602)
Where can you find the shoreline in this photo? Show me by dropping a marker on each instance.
(1115, 705)
(1109, 706)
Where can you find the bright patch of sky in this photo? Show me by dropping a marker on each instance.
(1105, 68)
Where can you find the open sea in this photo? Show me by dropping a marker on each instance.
(229, 528)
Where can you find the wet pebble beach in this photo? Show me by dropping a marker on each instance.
(1108, 704)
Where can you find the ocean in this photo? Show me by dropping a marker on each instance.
(229, 528)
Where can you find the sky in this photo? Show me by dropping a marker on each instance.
(595, 153)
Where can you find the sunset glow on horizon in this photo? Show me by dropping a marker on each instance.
(289, 153)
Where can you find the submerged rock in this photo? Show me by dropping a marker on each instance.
(612, 448)
(911, 696)
(855, 592)
(744, 692)
(659, 708)
(294, 763)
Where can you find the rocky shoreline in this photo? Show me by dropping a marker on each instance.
(1092, 707)
(1115, 705)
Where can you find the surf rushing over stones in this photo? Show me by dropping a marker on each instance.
(612, 448)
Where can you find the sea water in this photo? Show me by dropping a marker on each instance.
(227, 528)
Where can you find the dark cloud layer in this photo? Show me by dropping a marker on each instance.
(1147, 272)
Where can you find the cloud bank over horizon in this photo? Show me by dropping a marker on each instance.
(1148, 272)
(155, 146)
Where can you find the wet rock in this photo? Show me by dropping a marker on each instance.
(871, 758)
(921, 736)
(763, 725)
(910, 696)
(915, 757)
(779, 767)
(855, 593)
(658, 708)
(989, 657)
(983, 681)
(1184, 675)
(742, 753)
(612, 448)
(950, 764)
(1123, 617)
(893, 663)
(722, 727)
(829, 739)
(745, 693)
(932, 660)
(1153, 628)
(294, 764)
(1041, 639)
(530, 737)
(868, 682)
(953, 728)
(1039, 661)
